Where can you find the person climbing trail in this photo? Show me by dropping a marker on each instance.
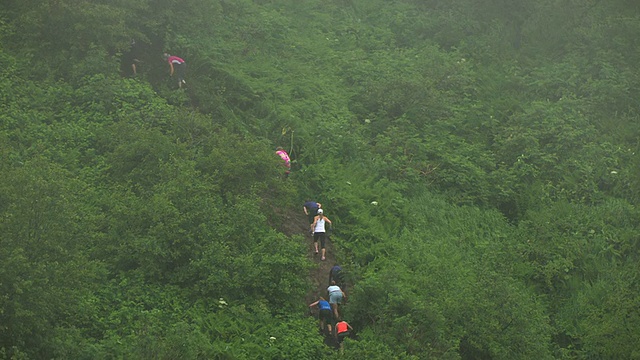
(336, 274)
(285, 157)
(336, 295)
(343, 329)
(311, 209)
(178, 66)
(325, 315)
(132, 57)
(318, 227)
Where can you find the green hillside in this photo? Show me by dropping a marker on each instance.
(478, 161)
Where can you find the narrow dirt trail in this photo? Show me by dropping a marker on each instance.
(319, 275)
(297, 223)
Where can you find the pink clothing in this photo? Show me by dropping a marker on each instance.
(285, 157)
(175, 60)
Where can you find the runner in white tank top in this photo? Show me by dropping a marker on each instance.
(319, 231)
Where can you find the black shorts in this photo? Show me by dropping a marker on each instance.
(180, 69)
(321, 236)
(325, 315)
(342, 335)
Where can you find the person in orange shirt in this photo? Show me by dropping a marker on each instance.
(343, 329)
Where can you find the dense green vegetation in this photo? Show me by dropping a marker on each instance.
(478, 159)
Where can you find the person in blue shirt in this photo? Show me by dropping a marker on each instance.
(325, 315)
(311, 209)
(336, 274)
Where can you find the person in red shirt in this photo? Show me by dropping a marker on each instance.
(178, 66)
(343, 329)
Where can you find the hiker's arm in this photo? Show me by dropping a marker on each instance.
(313, 304)
(305, 210)
(171, 67)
